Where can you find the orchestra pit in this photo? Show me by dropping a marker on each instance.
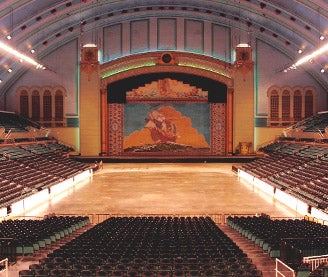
(163, 138)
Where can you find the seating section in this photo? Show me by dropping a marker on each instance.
(149, 246)
(15, 123)
(21, 237)
(29, 168)
(299, 169)
(289, 240)
(316, 123)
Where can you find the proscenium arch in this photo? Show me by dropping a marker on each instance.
(181, 66)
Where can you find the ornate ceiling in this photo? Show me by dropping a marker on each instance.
(288, 25)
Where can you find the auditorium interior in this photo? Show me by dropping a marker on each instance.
(164, 138)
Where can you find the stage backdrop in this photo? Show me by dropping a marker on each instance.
(166, 117)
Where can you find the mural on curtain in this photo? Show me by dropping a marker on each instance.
(166, 127)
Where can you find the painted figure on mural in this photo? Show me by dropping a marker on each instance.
(162, 129)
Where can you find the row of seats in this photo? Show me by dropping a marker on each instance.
(11, 121)
(149, 246)
(27, 169)
(300, 170)
(20, 237)
(289, 240)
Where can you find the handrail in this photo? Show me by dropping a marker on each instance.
(287, 269)
(315, 261)
(5, 269)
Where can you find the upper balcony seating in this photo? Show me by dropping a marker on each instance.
(148, 246)
(315, 123)
(15, 123)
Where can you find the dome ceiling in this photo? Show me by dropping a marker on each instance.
(46, 25)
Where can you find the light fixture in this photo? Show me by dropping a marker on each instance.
(311, 56)
(32, 51)
(322, 37)
(308, 58)
(322, 70)
(20, 56)
(9, 70)
(9, 37)
(300, 51)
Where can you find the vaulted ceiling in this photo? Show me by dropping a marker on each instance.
(288, 25)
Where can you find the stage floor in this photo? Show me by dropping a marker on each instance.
(164, 188)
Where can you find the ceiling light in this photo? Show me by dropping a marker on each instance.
(9, 37)
(9, 70)
(32, 51)
(322, 37)
(300, 51)
(322, 70)
(19, 55)
(312, 55)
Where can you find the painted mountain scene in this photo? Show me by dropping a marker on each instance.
(166, 128)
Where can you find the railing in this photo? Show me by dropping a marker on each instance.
(315, 261)
(4, 267)
(283, 270)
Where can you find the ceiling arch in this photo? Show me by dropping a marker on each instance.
(46, 25)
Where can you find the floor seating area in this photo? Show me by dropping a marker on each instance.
(22, 237)
(289, 240)
(299, 169)
(148, 246)
(29, 168)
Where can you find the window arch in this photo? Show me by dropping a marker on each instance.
(285, 105)
(35, 106)
(42, 104)
(289, 105)
(297, 110)
(47, 107)
(308, 103)
(59, 107)
(274, 105)
(23, 103)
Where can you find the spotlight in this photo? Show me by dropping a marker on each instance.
(10, 70)
(9, 37)
(300, 51)
(322, 37)
(322, 70)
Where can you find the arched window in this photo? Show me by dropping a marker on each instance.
(23, 100)
(59, 107)
(35, 106)
(289, 105)
(274, 106)
(47, 106)
(308, 103)
(285, 105)
(297, 111)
